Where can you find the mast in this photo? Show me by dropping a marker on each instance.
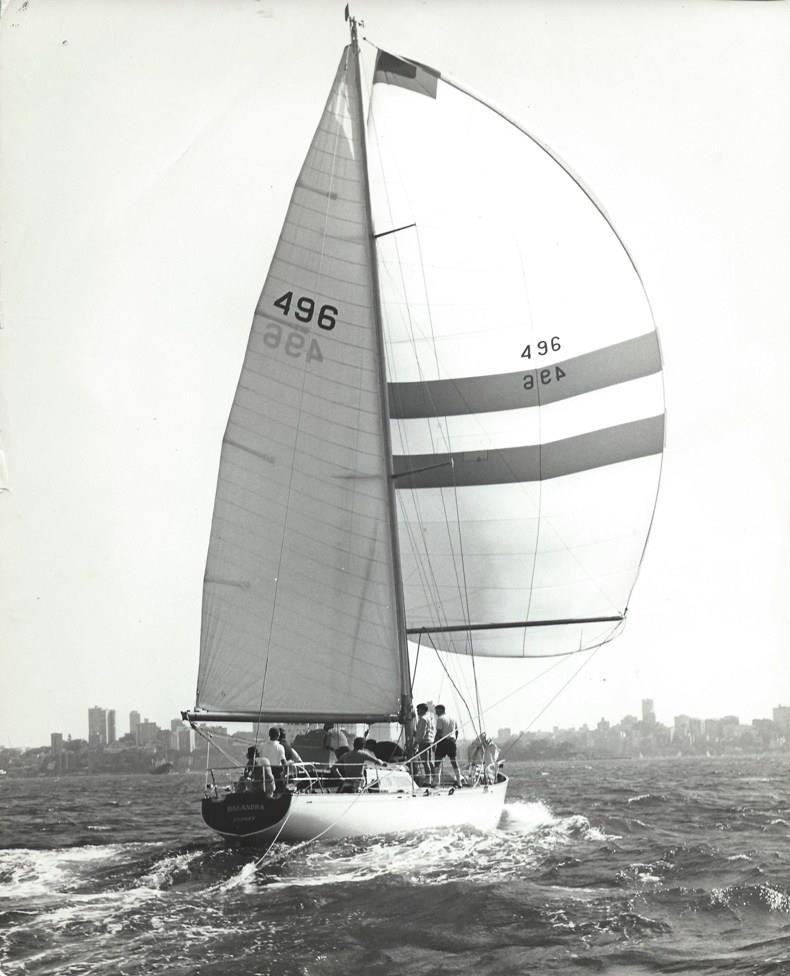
(400, 609)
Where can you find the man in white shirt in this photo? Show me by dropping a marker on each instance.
(424, 734)
(275, 753)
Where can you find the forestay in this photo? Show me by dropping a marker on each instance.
(298, 602)
(525, 378)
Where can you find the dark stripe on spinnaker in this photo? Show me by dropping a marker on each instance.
(417, 77)
(535, 462)
(619, 363)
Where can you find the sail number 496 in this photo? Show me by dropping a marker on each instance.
(548, 373)
(542, 347)
(304, 309)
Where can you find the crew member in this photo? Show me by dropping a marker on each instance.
(446, 742)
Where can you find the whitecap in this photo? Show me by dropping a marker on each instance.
(244, 879)
(522, 817)
(36, 873)
(166, 871)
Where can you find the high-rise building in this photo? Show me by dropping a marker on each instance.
(134, 725)
(111, 726)
(56, 743)
(712, 728)
(648, 711)
(97, 726)
(186, 739)
(146, 733)
(782, 717)
(730, 727)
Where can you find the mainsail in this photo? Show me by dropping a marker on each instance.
(525, 378)
(299, 611)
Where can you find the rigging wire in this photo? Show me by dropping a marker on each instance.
(426, 571)
(553, 698)
(457, 689)
(456, 546)
(457, 552)
(416, 664)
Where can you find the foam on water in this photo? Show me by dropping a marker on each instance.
(245, 878)
(136, 873)
(759, 896)
(31, 874)
(643, 873)
(526, 832)
(522, 817)
(90, 885)
(645, 798)
(112, 895)
(170, 869)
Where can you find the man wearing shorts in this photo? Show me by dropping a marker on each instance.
(446, 735)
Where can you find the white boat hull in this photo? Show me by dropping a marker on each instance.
(309, 816)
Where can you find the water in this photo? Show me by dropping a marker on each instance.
(632, 867)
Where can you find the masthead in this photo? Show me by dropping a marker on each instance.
(353, 23)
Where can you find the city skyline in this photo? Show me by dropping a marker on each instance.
(135, 722)
(148, 748)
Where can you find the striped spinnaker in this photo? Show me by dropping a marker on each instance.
(525, 391)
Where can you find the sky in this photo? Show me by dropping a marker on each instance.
(149, 151)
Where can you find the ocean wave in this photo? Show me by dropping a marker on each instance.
(171, 869)
(43, 874)
(646, 798)
(644, 873)
(570, 880)
(100, 892)
(246, 878)
(520, 816)
(627, 923)
(767, 897)
(527, 833)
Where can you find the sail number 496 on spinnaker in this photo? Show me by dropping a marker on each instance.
(548, 373)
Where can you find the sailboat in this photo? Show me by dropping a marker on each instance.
(447, 433)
